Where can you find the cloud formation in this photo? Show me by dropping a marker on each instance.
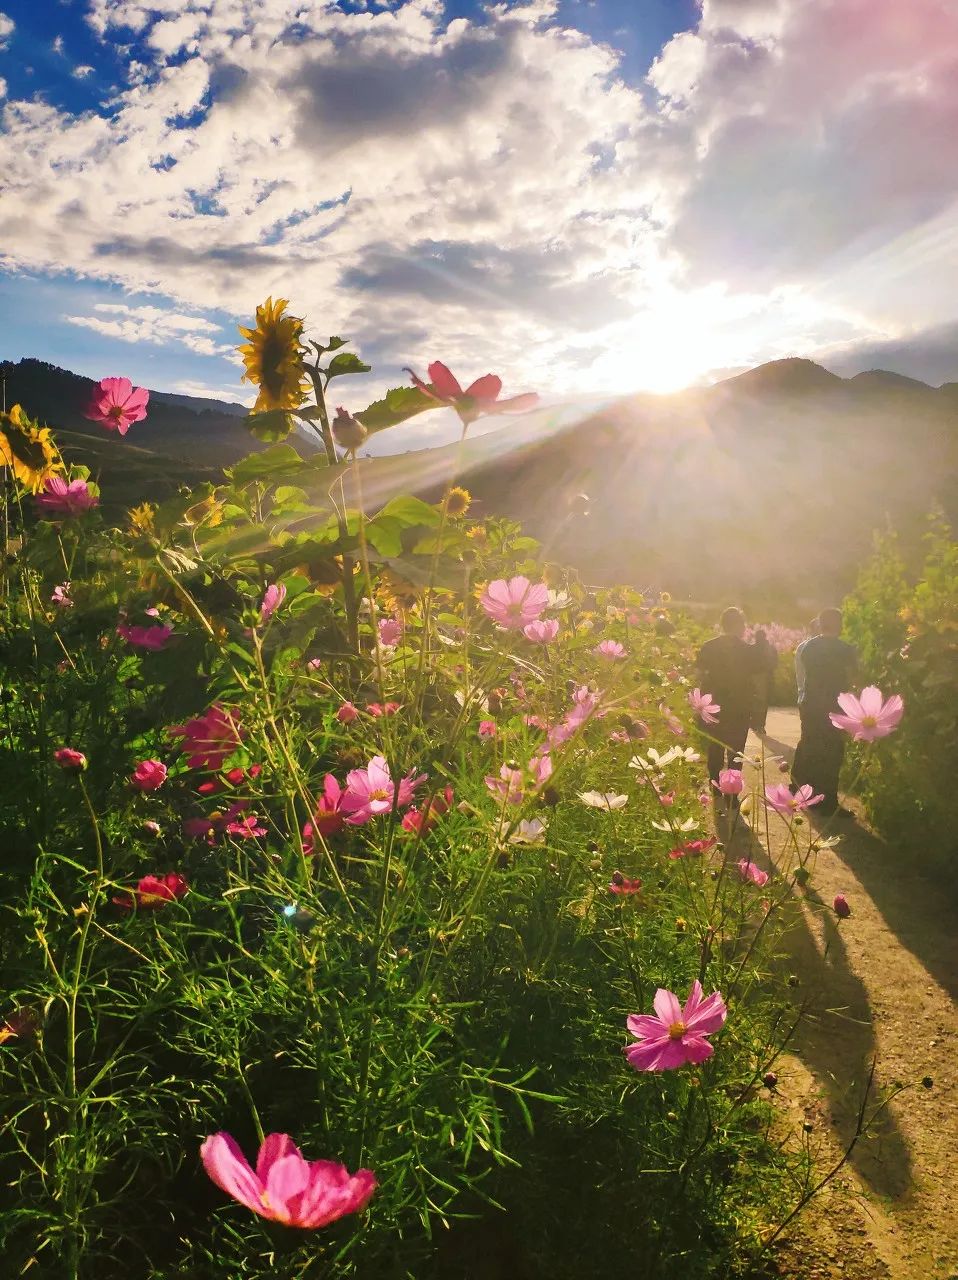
(154, 325)
(493, 191)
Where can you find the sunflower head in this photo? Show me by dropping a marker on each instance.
(273, 356)
(27, 449)
(457, 501)
(141, 519)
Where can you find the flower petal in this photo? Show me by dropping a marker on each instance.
(667, 1007)
(443, 382)
(229, 1169)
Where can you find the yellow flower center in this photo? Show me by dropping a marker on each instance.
(379, 795)
(869, 722)
(676, 1030)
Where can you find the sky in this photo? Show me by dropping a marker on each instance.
(588, 197)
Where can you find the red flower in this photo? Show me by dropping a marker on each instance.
(479, 398)
(69, 759)
(153, 892)
(693, 847)
(383, 708)
(116, 403)
(419, 821)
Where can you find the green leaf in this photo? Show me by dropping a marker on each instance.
(385, 534)
(396, 406)
(411, 512)
(333, 344)
(268, 465)
(346, 362)
(275, 425)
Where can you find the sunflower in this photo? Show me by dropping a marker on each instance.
(140, 520)
(28, 449)
(457, 501)
(274, 358)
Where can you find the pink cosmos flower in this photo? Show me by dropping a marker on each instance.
(62, 499)
(672, 722)
(870, 716)
(232, 778)
(61, 596)
(116, 404)
(153, 892)
(273, 597)
(731, 782)
(328, 817)
(621, 884)
(148, 775)
(479, 398)
(347, 713)
(390, 631)
(371, 792)
(378, 709)
(208, 739)
(781, 799)
(543, 631)
(610, 649)
(840, 906)
(704, 707)
(487, 728)
(285, 1187)
(514, 603)
(676, 1034)
(509, 786)
(419, 821)
(749, 871)
(150, 638)
(67, 758)
(234, 821)
(314, 665)
(694, 848)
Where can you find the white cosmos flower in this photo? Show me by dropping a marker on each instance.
(559, 599)
(689, 824)
(529, 831)
(603, 799)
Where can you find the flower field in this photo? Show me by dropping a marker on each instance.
(362, 880)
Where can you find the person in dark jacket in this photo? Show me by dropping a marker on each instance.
(825, 666)
(727, 667)
(767, 660)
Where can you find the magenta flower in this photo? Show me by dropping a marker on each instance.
(116, 404)
(620, 884)
(514, 603)
(870, 716)
(390, 631)
(693, 848)
(479, 398)
(67, 758)
(543, 631)
(487, 728)
(152, 638)
(148, 775)
(675, 1035)
(273, 597)
(153, 892)
(62, 499)
(245, 825)
(840, 906)
(210, 738)
(704, 707)
(285, 1187)
(378, 709)
(672, 722)
(420, 821)
(731, 782)
(782, 800)
(509, 786)
(371, 792)
(347, 713)
(749, 871)
(328, 817)
(610, 649)
(61, 596)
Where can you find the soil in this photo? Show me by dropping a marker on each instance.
(881, 988)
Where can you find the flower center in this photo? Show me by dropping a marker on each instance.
(379, 795)
(676, 1030)
(116, 411)
(869, 722)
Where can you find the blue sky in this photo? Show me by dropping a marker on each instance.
(587, 196)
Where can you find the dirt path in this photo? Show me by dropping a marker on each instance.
(882, 986)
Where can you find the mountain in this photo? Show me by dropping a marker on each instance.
(184, 439)
(768, 485)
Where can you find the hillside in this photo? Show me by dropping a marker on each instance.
(767, 485)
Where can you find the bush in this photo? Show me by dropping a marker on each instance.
(906, 631)
(428, 980)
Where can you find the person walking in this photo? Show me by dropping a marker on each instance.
(825, 666)
(727, 666)
(767, 660)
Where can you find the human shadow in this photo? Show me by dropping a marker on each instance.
(835, 1037)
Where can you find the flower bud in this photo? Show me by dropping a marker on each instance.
(770, 1080)
(840, 906)
(69, 759)
(348, 432)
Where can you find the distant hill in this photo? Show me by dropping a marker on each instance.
(767, 485)
(184, 439)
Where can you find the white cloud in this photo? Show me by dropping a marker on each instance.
(82, 72)
(493, 192)
(57, 45)
(3, 87)
(153, 325)
(7, 28)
